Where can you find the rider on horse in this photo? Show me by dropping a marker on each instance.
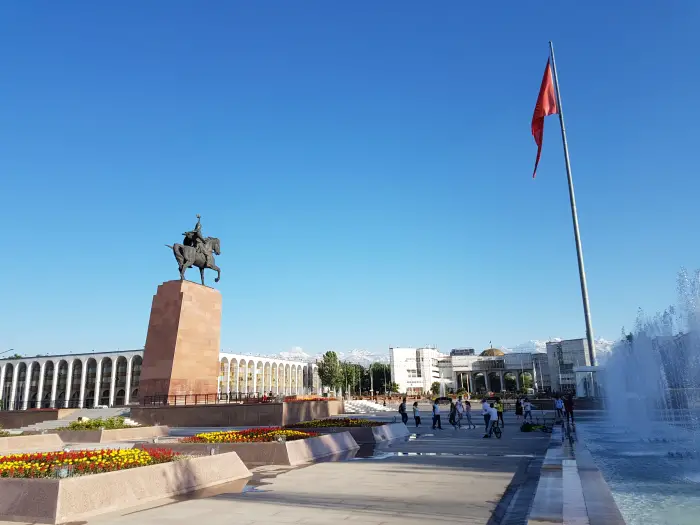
(195, 239)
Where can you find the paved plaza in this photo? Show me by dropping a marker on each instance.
(449, 476)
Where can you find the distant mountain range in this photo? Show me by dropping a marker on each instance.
(365, 357)
(603, 347)
(358, 356)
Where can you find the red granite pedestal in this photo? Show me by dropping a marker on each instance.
(181, 355)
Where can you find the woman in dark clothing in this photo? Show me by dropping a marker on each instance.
(518, 409)
(569, 407)
(453, 414)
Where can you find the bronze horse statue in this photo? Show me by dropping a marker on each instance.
(202, 257)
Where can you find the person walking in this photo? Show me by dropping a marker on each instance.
(518, 408)
(468, 414)
(460, 411)
(493, 420)
(527, 410)
(559, 406)
(416, 414)
(436, 416)
(569, 406)
(499, 410)
(485, 412)
(402, 411)
(453, 415)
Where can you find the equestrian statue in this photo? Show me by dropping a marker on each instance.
(197, 250)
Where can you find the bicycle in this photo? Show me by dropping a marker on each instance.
(496, 429)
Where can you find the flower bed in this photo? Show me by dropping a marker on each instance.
(251, 435)
(363, 431)
(80, 462)
(77, 498)
(345, 422)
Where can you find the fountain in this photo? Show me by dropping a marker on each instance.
(442, 388)
(648, 446)
(652, 378)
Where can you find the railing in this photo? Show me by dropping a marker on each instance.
(209, 399)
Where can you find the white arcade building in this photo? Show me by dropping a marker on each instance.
(112, 379)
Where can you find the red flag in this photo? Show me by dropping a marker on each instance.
(546, 105)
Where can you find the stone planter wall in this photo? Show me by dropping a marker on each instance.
(273, 453)
(107, 436)
(366, 435)
(77, 498)
(45, 442)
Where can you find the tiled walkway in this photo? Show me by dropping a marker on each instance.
(450, 476)
(571, 490)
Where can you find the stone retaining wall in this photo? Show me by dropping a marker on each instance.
(47, 442)
(366, 435)
(272, 453)
(24, 418)
(107, 436)
(236, 415)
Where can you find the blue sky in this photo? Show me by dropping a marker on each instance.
(366, 165)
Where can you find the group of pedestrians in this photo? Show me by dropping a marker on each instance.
(492, 411)
(523, 409)
(459, 410)
(565, 405)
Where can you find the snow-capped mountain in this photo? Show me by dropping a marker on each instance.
(363, 357)
(295, 354)
(603, 347)
(358, 356)
(531, 346)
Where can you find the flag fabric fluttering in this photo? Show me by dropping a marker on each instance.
(546, 105)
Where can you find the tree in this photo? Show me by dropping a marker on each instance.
(435, 387)
(527, 381)
(329, 370)
(393, 387)
(381, 376)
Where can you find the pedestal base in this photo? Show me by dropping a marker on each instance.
(181, 355)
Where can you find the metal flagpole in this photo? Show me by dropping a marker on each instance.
(574, 216)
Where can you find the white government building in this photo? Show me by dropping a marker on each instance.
(416, 369)
(112, 379)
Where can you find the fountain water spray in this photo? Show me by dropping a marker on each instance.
(652, 379)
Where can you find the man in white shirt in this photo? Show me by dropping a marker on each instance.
(485, 413)
(493, 419)
(436, 416)
(460, 411)
(559, 405)
(527, 410)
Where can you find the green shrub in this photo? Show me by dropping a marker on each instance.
(111, 423)
(4, 433)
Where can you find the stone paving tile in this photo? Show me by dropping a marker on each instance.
(450, 477)
(574, 512)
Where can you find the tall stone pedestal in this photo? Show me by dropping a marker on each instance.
(181, 355)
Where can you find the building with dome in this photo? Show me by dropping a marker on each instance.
(493, 370)
(492, 352)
